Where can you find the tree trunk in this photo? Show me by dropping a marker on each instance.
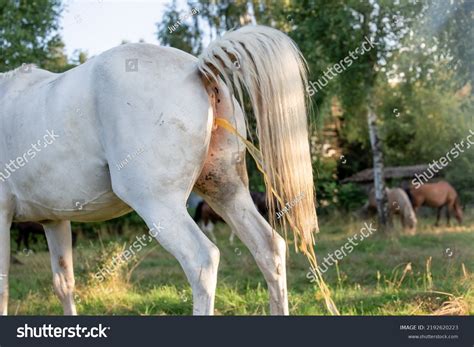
(379, 181)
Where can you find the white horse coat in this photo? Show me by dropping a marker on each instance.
(80, 165)
(132, 129)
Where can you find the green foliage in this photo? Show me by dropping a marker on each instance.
(422, 56)
(424, 116)
(351, 197)
(326, 185)
(331, 194)
(459, 174)
(29, 34)
(178, 33)
(223, 15)
(429, 124)
(450, 25)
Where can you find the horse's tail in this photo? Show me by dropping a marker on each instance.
(272, 71)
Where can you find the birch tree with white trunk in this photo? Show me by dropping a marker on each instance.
(379, 181)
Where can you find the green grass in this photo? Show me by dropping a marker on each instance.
(369, 281)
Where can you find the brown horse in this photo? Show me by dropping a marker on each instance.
(206, 217)
(437, 195)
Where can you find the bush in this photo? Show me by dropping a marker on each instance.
(351, 196)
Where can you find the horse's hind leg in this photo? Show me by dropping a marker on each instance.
(163, 208)
(5, 224)
(449, 209)
(438, 216)
(208, 228)
(58, 235)
(157, 189)
(176, 231)
(224, 184)
(267, 247)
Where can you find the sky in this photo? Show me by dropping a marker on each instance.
(97, 25)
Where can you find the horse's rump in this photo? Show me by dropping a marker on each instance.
(434, 194)
(102, 112)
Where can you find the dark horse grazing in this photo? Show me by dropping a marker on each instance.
(28, 230)
(206, 217)
(25, 231)
(437, 195)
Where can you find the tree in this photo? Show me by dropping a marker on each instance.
(176, 31)
(450, 24)
(339, 28)
(419, 45)
(379, 182)
(28, 33)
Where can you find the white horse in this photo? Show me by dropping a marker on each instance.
(398, 204)
(134, 128)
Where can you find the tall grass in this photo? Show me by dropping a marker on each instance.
(399, 275)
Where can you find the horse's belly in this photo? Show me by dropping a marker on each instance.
(96, 208)
(435, 199)
(59, 169)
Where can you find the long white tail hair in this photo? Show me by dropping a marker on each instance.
(267, 65)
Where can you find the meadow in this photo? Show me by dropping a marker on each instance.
(428, 273)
